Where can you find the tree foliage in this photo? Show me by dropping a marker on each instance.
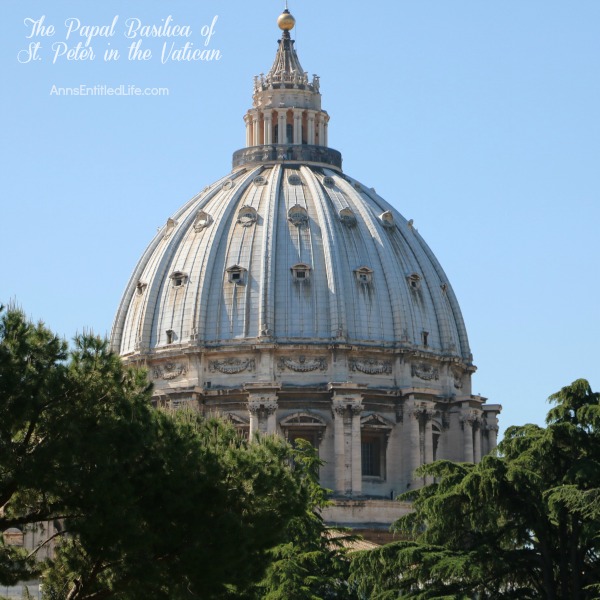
(313, 562)
(524, 523)
(149, 505)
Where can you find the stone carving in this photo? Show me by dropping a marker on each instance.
(425, 372)
(169, 227)
(422, 411)
(168, 371)
(339, 406)
(231, 366)
(266, 403)
(303, 365)
(472, 417)
(371, 366)
(458, 381)
(203, 220)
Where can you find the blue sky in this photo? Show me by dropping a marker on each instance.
(479, 120)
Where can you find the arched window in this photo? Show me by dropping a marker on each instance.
(305, 426)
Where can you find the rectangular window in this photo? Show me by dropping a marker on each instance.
(371, 456)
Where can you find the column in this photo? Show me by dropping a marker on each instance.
(339, 446)
(321, 130)
(467, 421)
(428, 434)
(492, 436)
(326, 134)
(253, 409)
(248, 121)
(255, 131)
(271, 412)
(268, 117)
(297, 126)
(477, 440)
(347, 407)
(263, 413)
(414, 440)
(310, 138)
(356, 409)
(282, 121)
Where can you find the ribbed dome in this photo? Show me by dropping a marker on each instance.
(289, 252)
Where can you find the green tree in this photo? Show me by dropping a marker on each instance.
(524, 523)
(312, 563)
(150, 505)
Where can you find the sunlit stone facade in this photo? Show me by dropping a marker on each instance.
(293, 299)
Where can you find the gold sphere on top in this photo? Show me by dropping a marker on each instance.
(285, 21)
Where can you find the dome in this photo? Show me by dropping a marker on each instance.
(286, 252)
(292, 299)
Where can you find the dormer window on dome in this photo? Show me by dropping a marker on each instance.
(347, 217)
(236, 275)
(178, 279)
(247, 216)
(169, 227)
(203, 220)
(414, 281)
(387, 218)
(301, 273)
(364, 275)
(298, 216)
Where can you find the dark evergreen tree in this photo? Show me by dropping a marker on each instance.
(524, 523)
(150, 505)
(313, 562)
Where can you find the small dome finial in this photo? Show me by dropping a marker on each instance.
(286, 21)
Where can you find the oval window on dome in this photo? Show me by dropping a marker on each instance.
(294, 180)
(329, 181)
(259, 180)
(247, 216)
(227, 185)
